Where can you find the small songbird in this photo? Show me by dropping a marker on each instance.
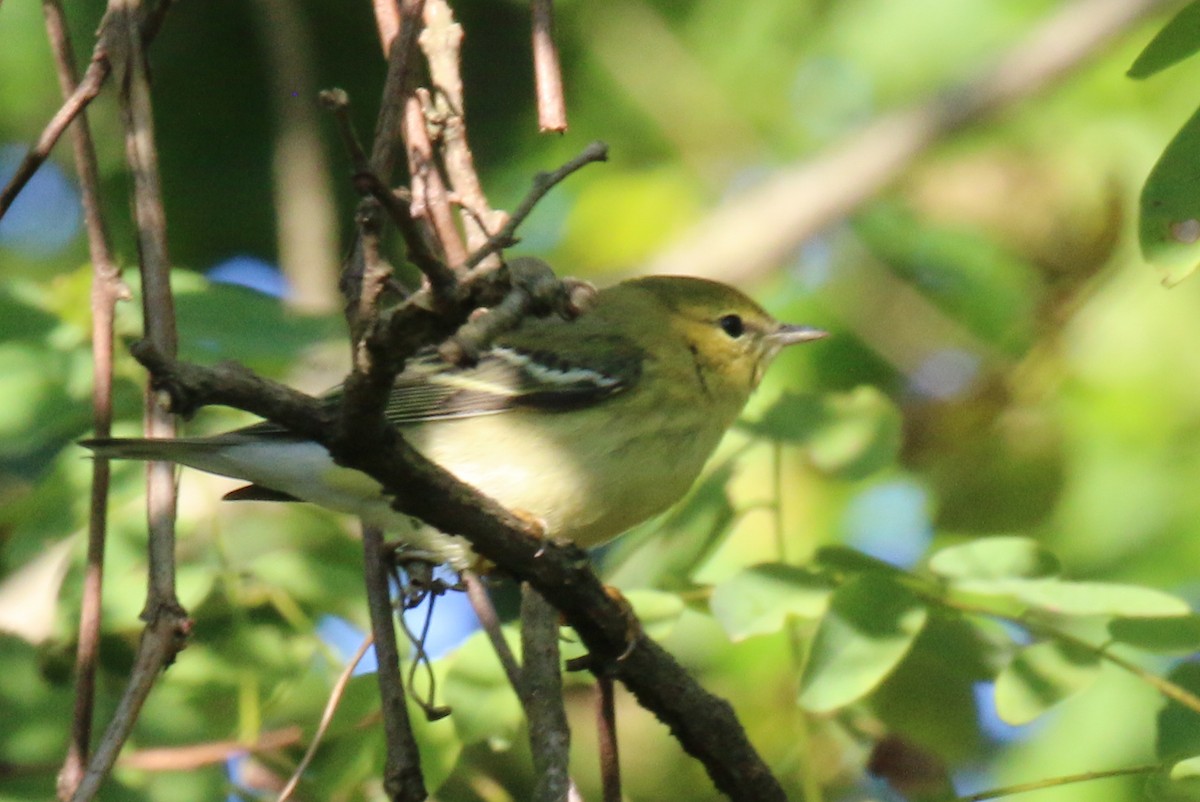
(589, 426)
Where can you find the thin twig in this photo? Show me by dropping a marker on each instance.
(86, 91)
(158, 304)
(441, 42)
(547, 74)
(190, 757)
(751, 232)
(606, 729)
(542, 183)
(387, 22)
(542, 697)
(161, 641)
(335, 698)
(485, 611)
(367, 183)
(399, 47)
(1054, 782)
(402, 778)
(107, 289)
(1169, 689)
(167, 624)
(430, 197)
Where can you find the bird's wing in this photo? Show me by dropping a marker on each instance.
(507, 377)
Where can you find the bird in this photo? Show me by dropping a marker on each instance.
(587, 426)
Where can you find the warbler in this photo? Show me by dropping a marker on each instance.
(590, 426)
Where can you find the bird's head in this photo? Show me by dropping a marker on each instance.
(732, 338)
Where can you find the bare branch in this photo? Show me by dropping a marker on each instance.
(606, 733)
(481, 603)
(799, 201)
(167, 624)
(430, 197)
(83, 94)
(367, 183)
(547, 74)
(441, 42)
(161, 641)
(705, 725)
(542, 183)
(402, 778)
(541, 684)
(107, 289)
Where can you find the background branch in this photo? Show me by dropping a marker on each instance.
(542, 696)
(402, 779)
(107, 289)
(167, 624)
(798, 201)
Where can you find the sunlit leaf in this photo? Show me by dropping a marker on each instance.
(994, 558)
(1039, 677)
(1062, 597)
(1176, 635)
(1177, 40)
(483, 705)
(759, 599)
(1169, 226)
(1178, 733)
(869, 627)
(1179, 783)
(848, 560)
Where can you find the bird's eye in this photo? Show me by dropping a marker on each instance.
(732, 325)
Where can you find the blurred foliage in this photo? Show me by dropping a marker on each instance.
(932, 529)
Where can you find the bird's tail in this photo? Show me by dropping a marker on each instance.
(182, 450)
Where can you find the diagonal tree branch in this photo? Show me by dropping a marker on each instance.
(752, 231)
(704, 724)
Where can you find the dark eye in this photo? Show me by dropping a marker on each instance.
(732, 325)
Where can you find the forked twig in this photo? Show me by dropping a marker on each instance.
(335, 698)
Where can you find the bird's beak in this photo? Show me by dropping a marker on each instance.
(788, 334)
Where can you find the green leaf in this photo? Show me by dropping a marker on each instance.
(849, 435)
(869, 628)
(1177, 635)
(759, 599)
(1061, 597)
(1169, 224)
(1178, 726)
(483, 705)
(1039, 677)
(1177, 40)
(658, 611)
(852, 561)
(994, 558)
(1178, 783)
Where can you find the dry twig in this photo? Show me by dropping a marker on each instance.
(547, 74)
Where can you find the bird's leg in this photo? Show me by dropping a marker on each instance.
(633, 634)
